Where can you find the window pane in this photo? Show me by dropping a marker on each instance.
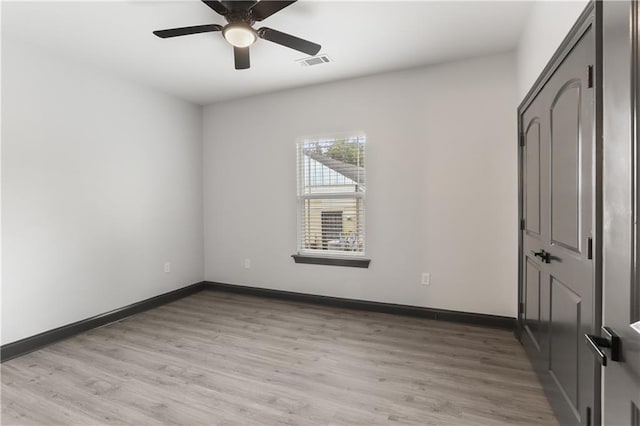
(333, 225)
(332, 166)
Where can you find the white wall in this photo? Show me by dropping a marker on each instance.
(101, 184)
(548, 24)
(441, 182)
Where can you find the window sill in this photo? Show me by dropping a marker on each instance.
(332, 261)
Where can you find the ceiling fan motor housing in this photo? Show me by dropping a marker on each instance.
(240, 16)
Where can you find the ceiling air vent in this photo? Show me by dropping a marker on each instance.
(314, 60)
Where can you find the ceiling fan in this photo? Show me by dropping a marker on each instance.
(239, 32)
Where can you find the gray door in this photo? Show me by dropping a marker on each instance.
(621, 186)
(557, 285)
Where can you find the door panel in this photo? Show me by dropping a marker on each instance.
(532, 173)
(565, 167)
(557, 283)
(565, 341)
(532, 303)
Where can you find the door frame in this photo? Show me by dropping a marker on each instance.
(591, 17)
(621, 380)
(635, 155)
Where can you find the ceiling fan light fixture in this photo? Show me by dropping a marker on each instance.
(239, 35)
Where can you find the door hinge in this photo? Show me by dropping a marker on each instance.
(522, 224)
(590, 76)
(521, 308)
(521, 139)
(589, 248)
(588, 416)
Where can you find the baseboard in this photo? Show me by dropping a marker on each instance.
(29, 344)
(485, 320)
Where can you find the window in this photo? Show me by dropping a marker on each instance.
(331, 191)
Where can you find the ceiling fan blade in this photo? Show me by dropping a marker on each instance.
(241, 56)
(290, 41)
(175, 32)
(217, 7)
(265, 8)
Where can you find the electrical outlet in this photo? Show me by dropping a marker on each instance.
(247, 264)
(167, 267)
(426, 278)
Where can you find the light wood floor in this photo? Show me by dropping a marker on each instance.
(219, 358)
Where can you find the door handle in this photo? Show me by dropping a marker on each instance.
(545, 256)
(610, 342)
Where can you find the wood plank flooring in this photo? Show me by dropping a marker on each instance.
(221, 358)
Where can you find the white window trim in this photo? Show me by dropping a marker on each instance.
(301, 198)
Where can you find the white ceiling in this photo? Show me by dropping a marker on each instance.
(362, 37)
